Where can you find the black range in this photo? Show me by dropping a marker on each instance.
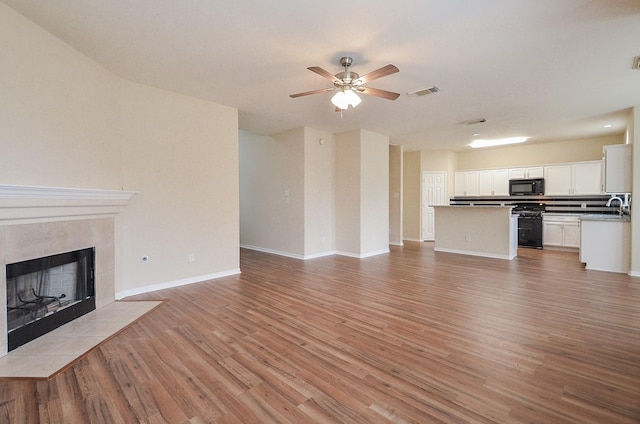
(529, 224)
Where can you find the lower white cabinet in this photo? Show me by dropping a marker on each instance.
(606, 244)
(561, 231)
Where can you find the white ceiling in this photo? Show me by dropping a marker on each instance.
(548, 69)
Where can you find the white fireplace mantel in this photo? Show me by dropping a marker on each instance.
(89, 220)
(25, 204)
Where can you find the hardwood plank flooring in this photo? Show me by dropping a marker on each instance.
(414, 336)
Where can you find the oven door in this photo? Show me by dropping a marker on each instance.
(530, 231)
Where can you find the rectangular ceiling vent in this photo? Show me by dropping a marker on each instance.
(424, 91)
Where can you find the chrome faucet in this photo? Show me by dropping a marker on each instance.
(619, 200)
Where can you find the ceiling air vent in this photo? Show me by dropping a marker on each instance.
(424, 91)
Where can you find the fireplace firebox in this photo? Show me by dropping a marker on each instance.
(45, 293)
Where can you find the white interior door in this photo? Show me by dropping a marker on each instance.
(434, 193)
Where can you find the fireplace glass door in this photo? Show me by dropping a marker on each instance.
(45, 293)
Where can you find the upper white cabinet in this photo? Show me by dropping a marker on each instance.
(568, 179)
(617, 168)
(493, 182)
(580, 178)
(529, 172)
(466, 183)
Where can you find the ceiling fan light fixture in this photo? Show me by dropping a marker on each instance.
(345, 98)
(496, 141)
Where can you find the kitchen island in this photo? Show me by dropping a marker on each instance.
(489, 231)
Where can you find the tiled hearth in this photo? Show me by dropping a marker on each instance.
(42, 221)
(53, 352)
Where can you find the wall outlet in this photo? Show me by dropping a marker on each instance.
(191, 257)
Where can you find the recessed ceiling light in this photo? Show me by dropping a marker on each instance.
(607, 126)
(497, 141)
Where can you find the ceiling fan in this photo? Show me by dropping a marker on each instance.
(348, 83)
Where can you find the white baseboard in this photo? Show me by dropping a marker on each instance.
(362, 255)
(393, 243)
(474, 253)
(272, 251)
(412, 239)
(171, 284)
(315, 255)
(634, 273)
(320, 255)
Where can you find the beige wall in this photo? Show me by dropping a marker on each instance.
(395, 194)
(319, 189)
(181, 155)
(338, 189)
(374, 193)
(536, 154)
(67, 122)
(411, 176)
(347, 162)
(58, 111)
(362, 193)
(272, 190)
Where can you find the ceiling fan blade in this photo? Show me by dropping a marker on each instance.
(379, 93)
(378, 73)
(318, 70)
(306, 93)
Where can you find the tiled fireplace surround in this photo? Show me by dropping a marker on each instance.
(43, 221)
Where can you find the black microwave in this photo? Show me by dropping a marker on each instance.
(526, 187)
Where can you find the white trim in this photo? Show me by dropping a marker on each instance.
(272, 251)
(315, 255)
(412, 239)
(474, 253)
(287, 254)
(362, 255)
(177, 283)
(320, 255)
(8, 191)
(396, 244)
(28, 204)
(634, 274)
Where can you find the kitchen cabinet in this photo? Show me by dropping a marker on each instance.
(580, 178)
(529, 172)
(561, 231)
(493, 182)
(617, 168)
(466, 183)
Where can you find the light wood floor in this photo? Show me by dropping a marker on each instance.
(409, 337)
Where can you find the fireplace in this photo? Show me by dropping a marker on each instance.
(45, 293)
(36, 222)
